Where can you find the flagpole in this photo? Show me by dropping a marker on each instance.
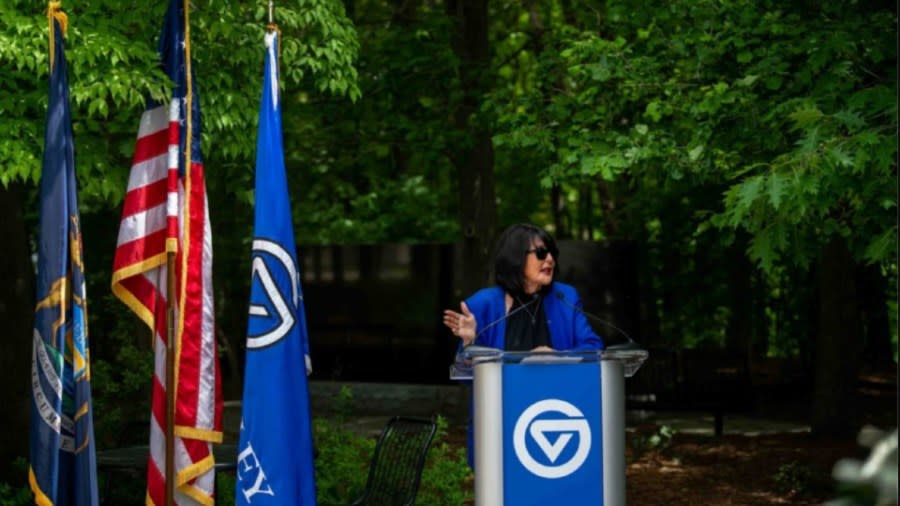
(171, 279)
(170, 379)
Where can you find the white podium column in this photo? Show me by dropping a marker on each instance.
(488, 376)
(612, 385)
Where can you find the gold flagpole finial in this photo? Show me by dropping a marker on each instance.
(272, 26)
(54, 11)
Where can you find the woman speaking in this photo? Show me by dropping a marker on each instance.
(527, 310)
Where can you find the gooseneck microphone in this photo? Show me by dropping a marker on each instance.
(562, 297)
(504, 317)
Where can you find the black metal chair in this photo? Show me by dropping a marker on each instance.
(398, 461)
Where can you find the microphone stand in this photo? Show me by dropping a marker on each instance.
(629, 345)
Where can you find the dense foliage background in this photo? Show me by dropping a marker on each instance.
(749, 149)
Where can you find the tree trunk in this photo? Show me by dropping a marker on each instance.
(813, 309)
(556, 207)
(670, 277)
(473, 156)
(878, 352)
(586, 214)
(611, 206)
(838, 346)
(649, 312)
(739, 333)
(16, 310)
(648, 273)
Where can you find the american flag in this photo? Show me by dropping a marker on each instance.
(165, 210)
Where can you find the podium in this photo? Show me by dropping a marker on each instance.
(549, 426)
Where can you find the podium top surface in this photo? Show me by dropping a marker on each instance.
(471, 356)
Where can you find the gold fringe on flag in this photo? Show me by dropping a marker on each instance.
(54, 12)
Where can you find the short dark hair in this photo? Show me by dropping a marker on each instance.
(510, 252)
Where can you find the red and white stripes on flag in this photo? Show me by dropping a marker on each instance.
(163, 211)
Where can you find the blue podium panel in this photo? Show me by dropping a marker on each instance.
(552, 434)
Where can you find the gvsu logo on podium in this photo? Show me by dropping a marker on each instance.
(557, 421)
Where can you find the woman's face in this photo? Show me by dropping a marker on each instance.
(538, 272)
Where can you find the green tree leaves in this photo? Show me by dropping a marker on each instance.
(113, 69)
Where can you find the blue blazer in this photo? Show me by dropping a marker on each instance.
(569, 328)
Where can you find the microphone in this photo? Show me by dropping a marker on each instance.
(504, 317)
(631, 343)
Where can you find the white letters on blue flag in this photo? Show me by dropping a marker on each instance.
(275, 454)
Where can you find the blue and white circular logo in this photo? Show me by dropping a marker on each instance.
(565, 427)
(275, 296)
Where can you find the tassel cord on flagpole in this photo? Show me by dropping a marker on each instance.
(188, 169)
(172, 340)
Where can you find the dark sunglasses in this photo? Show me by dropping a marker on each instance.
(541, 253)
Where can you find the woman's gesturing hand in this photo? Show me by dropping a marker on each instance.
(462, 325)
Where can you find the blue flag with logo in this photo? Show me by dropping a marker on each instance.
(63, 468)
(275, 454)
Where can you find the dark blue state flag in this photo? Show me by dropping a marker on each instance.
(275, 454)
(63, 469)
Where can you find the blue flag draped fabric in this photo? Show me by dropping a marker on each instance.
(275, 455)
(63, 468)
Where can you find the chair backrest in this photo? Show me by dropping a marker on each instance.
(398, 461)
